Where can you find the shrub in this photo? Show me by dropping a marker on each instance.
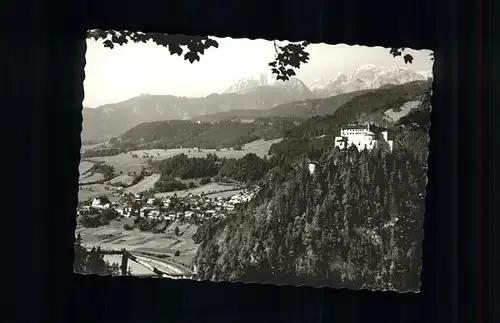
(205, 180)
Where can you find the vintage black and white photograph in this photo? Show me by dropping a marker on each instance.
(258, 161)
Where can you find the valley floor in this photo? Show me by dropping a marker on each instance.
(114, 237)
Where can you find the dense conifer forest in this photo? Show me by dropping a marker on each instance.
(356, 222)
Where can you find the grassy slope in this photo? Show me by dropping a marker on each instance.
(297, 109)
(370, 106)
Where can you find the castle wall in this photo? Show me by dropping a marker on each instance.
(362, 138)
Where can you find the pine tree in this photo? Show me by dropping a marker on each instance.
(80, 258)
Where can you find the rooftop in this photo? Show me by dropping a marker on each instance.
(356, 126)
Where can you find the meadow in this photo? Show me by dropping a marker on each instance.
(212, 189)
(126, 162)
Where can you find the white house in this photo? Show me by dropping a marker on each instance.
(312, 167)
(363, 136)
(100, 203)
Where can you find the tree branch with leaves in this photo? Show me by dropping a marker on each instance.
(191, 46)
(288, 58)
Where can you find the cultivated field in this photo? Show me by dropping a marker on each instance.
(125, 179)
(94, 190)
(224, 195)
(84, 167)
(213, 188)
(144, 185)
(260, 147)
(114, 237)
(92, 178)
(123, 162)
(126, 163)
(88, 147)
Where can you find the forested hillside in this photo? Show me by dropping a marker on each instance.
(112, 120)
(247, 170)
(296, 109)
(356, 222)
(313, 136)
(189, 134)
(366, 107)
(328, 116)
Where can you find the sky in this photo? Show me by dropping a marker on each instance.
(118, 74)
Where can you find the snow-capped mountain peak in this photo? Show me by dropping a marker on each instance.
(365, 77)
(318, 84)
(341, 77)
(247, 84)
(322, 84)
(250, 84)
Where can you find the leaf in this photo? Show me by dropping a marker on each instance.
(408, 58)
(395, 52)
(108, 43)
(97, 34)
(175, 49)
(191, 57)
(272, 64)
(290, 72)
(211, 43)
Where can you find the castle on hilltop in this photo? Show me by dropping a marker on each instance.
(363, 136)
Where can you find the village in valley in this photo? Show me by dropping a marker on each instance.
(190, 207)
(121, 208)
(262, 179)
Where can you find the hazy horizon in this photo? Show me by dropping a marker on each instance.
(134, 69)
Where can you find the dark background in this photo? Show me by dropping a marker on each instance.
(44, 45)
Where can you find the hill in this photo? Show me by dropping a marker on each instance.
(370, 106)
(112, 120)
(296, 109)
(188, 134)
(357, 223)
(312, 137)
(227, 134)
(257, 93)
(233, 114)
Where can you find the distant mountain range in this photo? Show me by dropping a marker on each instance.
(112, 120)
(253, 84)
(296, 109)
(369, 106)
(253, 97)
(366, 77)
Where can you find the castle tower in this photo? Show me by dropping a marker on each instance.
(312, 168)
